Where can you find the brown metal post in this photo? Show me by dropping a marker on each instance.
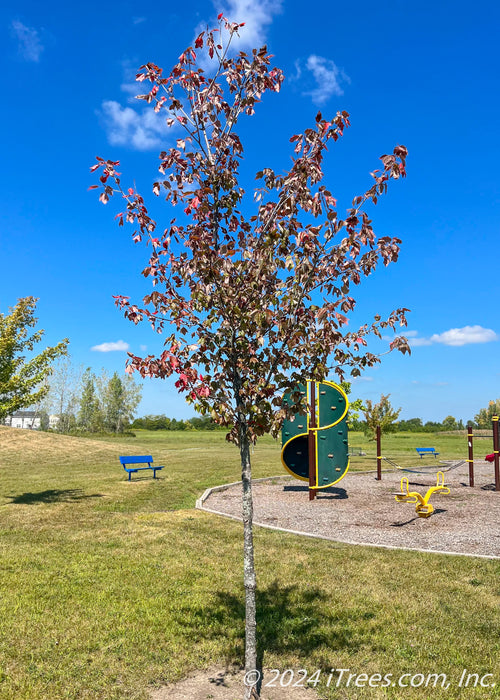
(379, 454)
(471, 456)
(495, 452)
(312, 443)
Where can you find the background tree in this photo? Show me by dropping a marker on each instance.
(483, 418)
(432, 426)
(156, 423)
(382, 414)
(250, 306)
(203, 423)
(23, 381)
(120, 399)
(63, 398)
(449, 423)
(114, 404)
(44, 419)
(89, 415)
(412, 425)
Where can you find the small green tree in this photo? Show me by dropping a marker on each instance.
(382, 414)
(114, 404)
(23, 382)
(450, 423)
(44, 420)
(89, 415)
(485, 415)
(120, 399)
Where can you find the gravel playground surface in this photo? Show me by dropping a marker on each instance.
(362, 510)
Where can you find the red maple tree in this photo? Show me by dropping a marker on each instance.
(250, 306)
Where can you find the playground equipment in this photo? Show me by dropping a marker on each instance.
(314, 446)
(421, 469)
(495, 454)
(431, 468)
(423, 508)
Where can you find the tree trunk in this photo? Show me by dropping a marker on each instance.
(249, 579)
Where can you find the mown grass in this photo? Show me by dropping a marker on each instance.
(108, 588)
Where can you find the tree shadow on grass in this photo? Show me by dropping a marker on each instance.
(53, 496)
(291, 620)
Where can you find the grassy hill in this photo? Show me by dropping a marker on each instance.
(109, 588)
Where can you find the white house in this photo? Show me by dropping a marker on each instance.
(53, 422)
(23, 419)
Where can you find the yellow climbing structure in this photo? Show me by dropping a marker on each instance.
(423, 507)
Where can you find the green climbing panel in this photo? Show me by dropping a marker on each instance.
(332, 459)
(294, 433)
(331, 437)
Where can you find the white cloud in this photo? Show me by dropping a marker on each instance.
(456, 337)
(128, 127)
(327, 76)
(143, 348)
(130, 85)
(418, 342)
(133, 88)
(257, 15)
(29, 43)
(465, 336)
(141, 128)
(412, 337)
(119, 345)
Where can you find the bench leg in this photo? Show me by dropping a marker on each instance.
(129, 476)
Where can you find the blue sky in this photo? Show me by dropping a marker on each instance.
(420, 74)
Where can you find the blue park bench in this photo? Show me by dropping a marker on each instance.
(145, 459)
(426, 450)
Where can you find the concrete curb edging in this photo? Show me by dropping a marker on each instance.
(223, 487)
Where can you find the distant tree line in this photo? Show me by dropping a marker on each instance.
(386, 416)
(77, 400)
(414, 425)
(161, 422)
(81, 401)
(380, 413)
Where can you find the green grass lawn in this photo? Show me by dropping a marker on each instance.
(110, 588)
